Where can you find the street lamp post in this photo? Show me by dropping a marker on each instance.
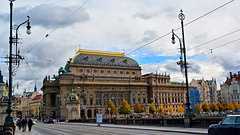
(183, 65)
(9, 118)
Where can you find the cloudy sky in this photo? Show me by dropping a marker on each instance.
(140, 27)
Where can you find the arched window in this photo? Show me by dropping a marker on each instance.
(53, 100)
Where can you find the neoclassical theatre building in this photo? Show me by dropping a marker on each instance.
(91, 78)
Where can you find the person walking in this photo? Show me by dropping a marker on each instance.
(19, 124)
(30, 123)
(24, 123)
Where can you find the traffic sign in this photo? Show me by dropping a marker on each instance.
(99, 118)
(109, 108)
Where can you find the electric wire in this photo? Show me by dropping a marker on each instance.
(214, 39)
(57, 27)
(215, 47)
(195, 54)
(30, 68)
(180, 27)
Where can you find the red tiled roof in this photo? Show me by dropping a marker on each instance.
(37, 97)
(230, 80)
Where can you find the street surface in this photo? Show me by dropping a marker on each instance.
(107, 129)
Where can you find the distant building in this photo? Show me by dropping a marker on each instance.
(26, 99)
(162, 90)
(207, 89)
(230, 89)
(3, 99)
(3, 86)
(35, 105)
(100, 76)
(16, 105)
(219, 96)
(194, 97)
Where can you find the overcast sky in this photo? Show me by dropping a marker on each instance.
(140, 27)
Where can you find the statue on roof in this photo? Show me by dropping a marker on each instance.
(61, 70)
(67, 67)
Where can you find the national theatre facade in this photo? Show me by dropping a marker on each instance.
(91, 78)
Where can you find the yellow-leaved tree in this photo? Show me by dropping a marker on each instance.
(152, 109)
(124, 108)
(205, 107)
(180, 109)
(236, 105)
(113, 108)
(214, 107)
(220, 106)
(161, 109)
(225, 107)
(197, 108)
(230, 106)
(170, 109)
(138, 108)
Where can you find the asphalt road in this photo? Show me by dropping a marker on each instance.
(107, 129)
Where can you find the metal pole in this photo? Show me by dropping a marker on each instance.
(183, 50)
(188, 103)
(9, 118)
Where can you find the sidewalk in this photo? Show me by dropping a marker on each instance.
(19, 132)
(155, 128)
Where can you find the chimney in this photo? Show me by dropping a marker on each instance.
(231, 75)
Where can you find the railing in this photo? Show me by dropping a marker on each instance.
(178, 122)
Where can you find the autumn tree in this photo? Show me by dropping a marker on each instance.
(161, 109)
(180, 109)
(138, 108)
(143, 110)
(152, 109)
(236, 105)
(214, 107)
(197, 108)
(220, 106)
(225, 107)
(113, 108)
(230, 106)
(170, 109)
(205, 107)
(124, 108)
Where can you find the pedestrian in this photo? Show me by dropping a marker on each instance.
(19, 124)
(24, 123)
(30, 123)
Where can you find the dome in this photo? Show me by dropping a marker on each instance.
(72, 97)
(103, 58)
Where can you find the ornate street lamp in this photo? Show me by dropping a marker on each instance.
(9, 118)
(183, 64)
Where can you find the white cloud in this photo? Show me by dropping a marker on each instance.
(116, 25)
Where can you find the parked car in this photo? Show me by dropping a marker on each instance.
(48, 121)
(230, 125)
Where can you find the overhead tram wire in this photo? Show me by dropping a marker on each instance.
(215, 47)
(196, 54)
(214, 39)
(180, 27)
(30, 68)
(57, 26)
